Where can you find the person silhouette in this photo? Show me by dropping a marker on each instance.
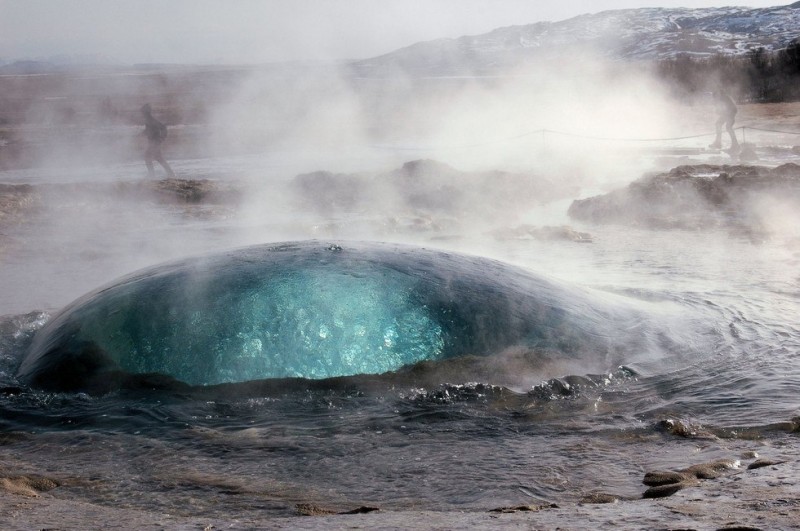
(155, 132)
(726, 115)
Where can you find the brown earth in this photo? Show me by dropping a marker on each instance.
(93, 115)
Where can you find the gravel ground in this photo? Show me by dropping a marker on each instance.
(761, 498)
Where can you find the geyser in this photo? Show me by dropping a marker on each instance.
(313, 310)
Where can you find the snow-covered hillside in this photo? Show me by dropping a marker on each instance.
(632, 34)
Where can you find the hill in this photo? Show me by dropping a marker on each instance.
(627, 34)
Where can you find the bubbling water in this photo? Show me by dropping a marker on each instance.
(315, 323)
(310, 310)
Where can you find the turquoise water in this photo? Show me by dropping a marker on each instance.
(236, 322)
(319, 310)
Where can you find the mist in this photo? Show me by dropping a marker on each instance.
(502, 150)
(326, 150)
(559, 128)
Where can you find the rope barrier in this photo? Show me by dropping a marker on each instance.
(773, 131)
(623, 139)
(463, 146)
(545, 132)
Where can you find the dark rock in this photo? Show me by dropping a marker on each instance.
(361, 510)
(662, 491)
(710, 470)
(695, 197)
(524, 508)
(658, 478)
(667, 483)
(761, 463)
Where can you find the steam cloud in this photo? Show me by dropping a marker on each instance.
(569, 123)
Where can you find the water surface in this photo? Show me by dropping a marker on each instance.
(733, 377)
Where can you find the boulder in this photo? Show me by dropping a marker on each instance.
(697, 197)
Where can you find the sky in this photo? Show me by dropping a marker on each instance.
(262, 31)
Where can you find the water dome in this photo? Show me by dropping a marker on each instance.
(308, 310)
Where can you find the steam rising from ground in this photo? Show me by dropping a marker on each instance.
(490, 122)
(569, 123)
(555, 123)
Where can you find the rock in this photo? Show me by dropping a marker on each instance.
(667, 483)
(361, 510)
(599, 497)
(658, 478)
(710, 470)
(521, 508)
(761, 463)
(27, 485)
(684, 429)
(310, 509)
(700, 471)
(662, 491)
(697, 198)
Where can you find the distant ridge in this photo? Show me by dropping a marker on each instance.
(625, 34)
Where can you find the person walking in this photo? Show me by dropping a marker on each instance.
(155, 132)
(726, 115)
